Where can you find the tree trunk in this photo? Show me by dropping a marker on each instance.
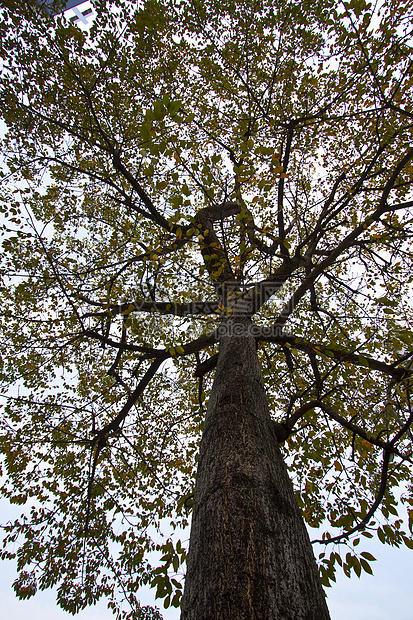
(250, 557)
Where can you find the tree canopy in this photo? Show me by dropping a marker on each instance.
(174, 163)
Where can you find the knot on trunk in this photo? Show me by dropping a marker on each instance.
(282, 432)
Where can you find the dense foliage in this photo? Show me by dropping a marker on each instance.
(169, 159)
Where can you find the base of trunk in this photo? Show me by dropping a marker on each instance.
(250, 557)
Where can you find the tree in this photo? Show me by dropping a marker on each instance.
(206, 201)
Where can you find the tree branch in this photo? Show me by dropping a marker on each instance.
(388, 446)
(347, 241)
(274, 334)
(173, 308)
(369, 515)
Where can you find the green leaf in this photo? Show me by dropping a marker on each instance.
(408, 542)
(366, 566)
(388, 302)
(159, 110)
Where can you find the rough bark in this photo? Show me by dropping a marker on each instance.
(250, 557)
